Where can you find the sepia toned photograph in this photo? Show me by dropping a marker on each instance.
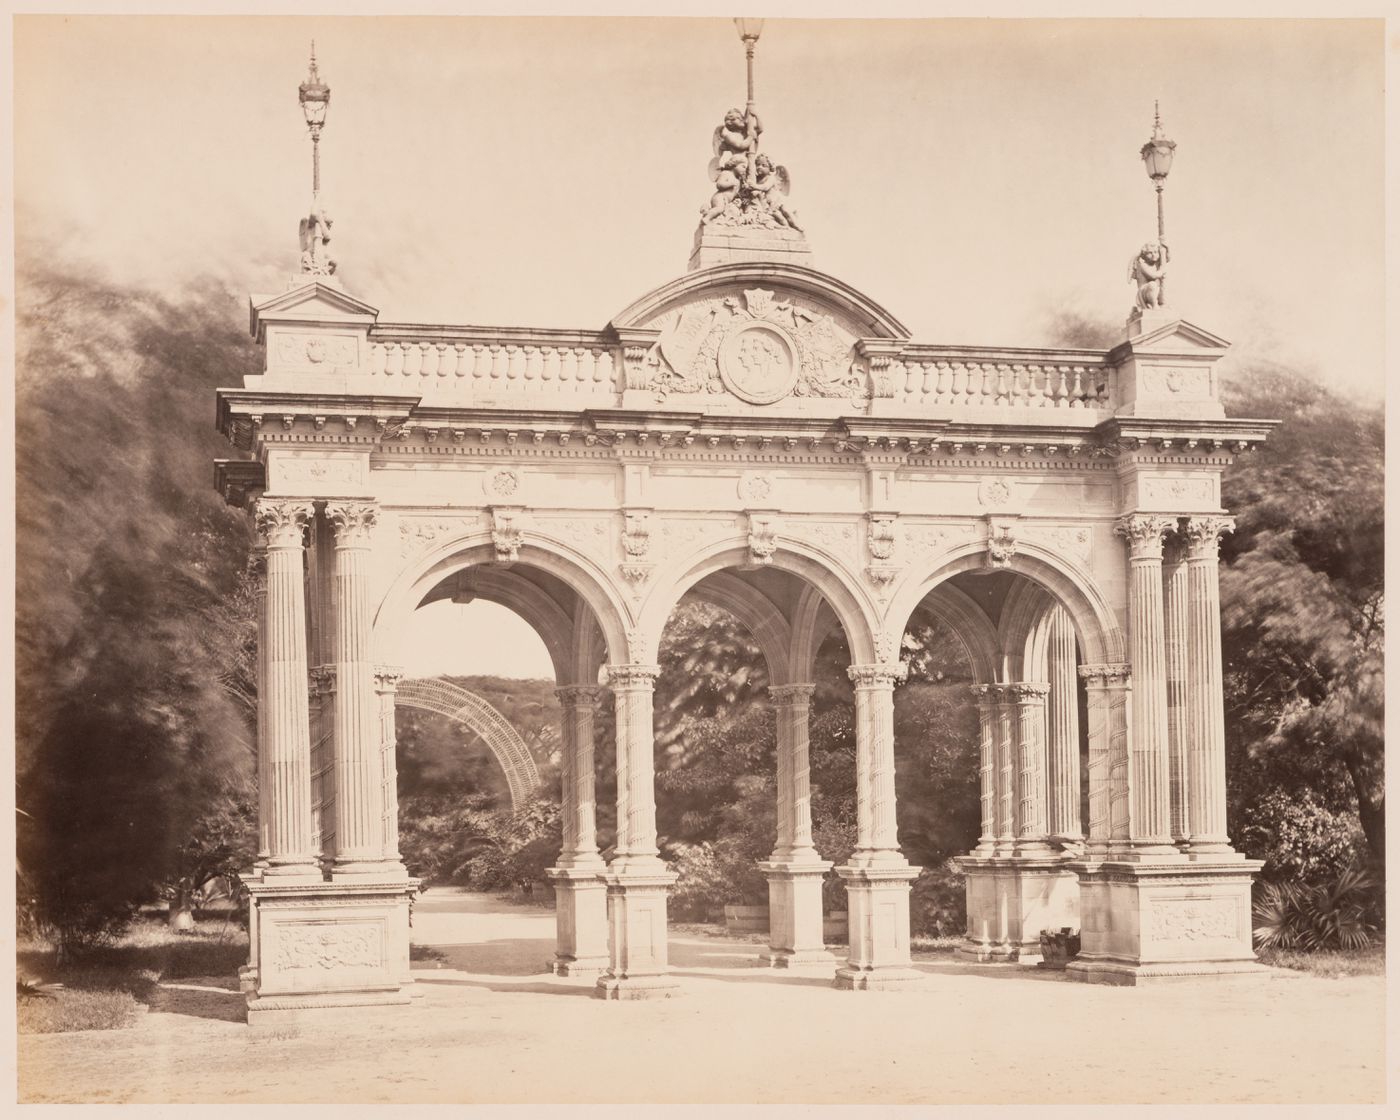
(592, 560)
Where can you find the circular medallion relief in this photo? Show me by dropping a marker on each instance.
(504, 482)
(994, 492)
(759, 363)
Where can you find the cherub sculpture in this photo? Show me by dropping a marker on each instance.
(1147, 270)
(315, 230)
(771, 184)
(736, 144)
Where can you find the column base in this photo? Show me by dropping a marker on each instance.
(581, 921)
(1145, 923)
(324, 945)
(878, 903)
(795, 914)
(365, 871)
(818, 962)
(637, 958)
(1010, 899)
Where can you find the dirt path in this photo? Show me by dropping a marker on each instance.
(491, 1027)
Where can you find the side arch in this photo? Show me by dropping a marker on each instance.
(758, 614)
(1095, 624)
(970, 625)
(469, 709)
(582, 575)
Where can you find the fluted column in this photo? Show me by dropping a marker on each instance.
(359, 782)
(1149, 772)
(1029, 700)
(386, 686)
(791, 710)
(1176, 619)
(987, 766)
(580, 704)
(1205, 687)
(877, 837)
(632, 687)
(1062, 730)
(1106, 691)
(286, 734)
(321, 689)
(258, 580)
(1004, 740)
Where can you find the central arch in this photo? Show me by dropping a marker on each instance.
(467, 708)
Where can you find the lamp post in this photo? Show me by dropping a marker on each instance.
(1157, 159)
(315, 97)
(749, 31)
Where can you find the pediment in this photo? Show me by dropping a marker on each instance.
(311, 302)
(1178, 336)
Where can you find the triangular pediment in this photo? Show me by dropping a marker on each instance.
(311, 302)
(1177, 336)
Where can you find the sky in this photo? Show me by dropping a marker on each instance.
(974, 176)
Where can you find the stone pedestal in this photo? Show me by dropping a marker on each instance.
(318, 945)
(637, 961)
(1143, 923)
(717, 244)
(1009, 901)
(581, 921)
(878, 903)
(795, 916)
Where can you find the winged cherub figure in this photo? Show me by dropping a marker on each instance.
(735, 143)
(1146, 271)
(772, 184)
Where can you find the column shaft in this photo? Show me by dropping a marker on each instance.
(1205, 686)
(259, 582)
(359, 778)
(1106, 689)
(632, 687)
(1176, 618)
(1005, 740)
(1029, 699)
(877, 840)
(986, 770)
(1062, 727)
(386, 683)
(284, 704)
(580, 705)
(1148, 762)
(792, 711)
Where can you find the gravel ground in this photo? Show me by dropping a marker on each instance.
(492, 1027)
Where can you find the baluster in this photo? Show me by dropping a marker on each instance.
(441, 369)
(568, 365)
(480, 363)
(997, 391)
(549, 364)
(498, 361)
(1018, 392)
(459, 361)
(530, 362)
(1075, 394)
(608, 367)
(1061, 389)
(587, 365)
(932, 373)
(391, 359)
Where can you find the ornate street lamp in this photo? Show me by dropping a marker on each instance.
(315, 98)
(749, 31)
(1157, 159)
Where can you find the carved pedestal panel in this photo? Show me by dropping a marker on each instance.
(1009, 902)
(637, 963)
(795, 917)
(326, 945)
(581, 922)
(878, 904)
(1143, 923)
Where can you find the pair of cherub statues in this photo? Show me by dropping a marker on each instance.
(744, 175)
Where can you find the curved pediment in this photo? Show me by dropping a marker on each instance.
(761, 331)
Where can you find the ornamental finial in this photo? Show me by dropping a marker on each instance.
(315, 229)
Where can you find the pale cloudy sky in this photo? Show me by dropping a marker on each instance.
(972, 176)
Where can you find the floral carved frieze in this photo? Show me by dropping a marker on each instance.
(1188, 383)
(417, 534)
(927, 540)
(759, 345)
(319, 475)
(587, 534)
(1179, 491)
(837, 537)
(1194, 919)
(323, 351)
(329, 947)
(682, 535)
(1074, 542)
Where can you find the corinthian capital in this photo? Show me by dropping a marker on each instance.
(1028, 692)
(633, 676)
(581, 696)
(281, 522)
(1145, 533)
(1203, 536)
(1114, 673)
(886, 674)
(387, 677)
(791, 695)
(352, 521)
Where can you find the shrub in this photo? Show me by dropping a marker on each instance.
(1339, 914)
(1299, 836)
(938, 902)
(713, 874)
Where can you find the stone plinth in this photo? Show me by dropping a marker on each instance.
(715, 244)
(637, 959)
(795, 916)
(1010, 900)
(878, 903)
(1143, 923)
(326, 945)
(581, 921)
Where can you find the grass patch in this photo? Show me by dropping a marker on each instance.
(934, 943)
(1329, 964)
(106, 988)
(425, 953)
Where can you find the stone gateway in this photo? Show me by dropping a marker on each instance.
(760, 435)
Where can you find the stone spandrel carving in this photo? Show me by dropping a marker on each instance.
(759, 345)
(329, 947)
